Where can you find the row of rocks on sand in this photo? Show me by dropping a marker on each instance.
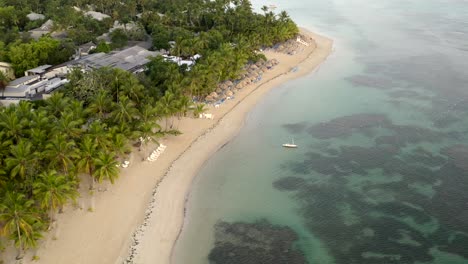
(252, 73)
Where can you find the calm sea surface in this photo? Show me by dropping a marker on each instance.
(381, 172)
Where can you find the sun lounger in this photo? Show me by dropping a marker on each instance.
(156, 153)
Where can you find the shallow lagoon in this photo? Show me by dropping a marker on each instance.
(380, 175)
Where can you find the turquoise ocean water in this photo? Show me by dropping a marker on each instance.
(381, 172)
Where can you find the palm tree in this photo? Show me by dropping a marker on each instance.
(11, 124)
(4, 146)
(119, 142)
(24, 110)
(69, 126)
(148, 134)
(125, 110)
(22, 160)
(98, 132)
(56, 104)
(78, 111)
(3, 81)
(106, 167)
(199, 109)
(165, 106)
(61, 152)
(101, 104)
(87, 157)
(20, 221)
(53, 191)
(39, 129)
(148, 113)
(184, 105)
(200, 43)
(40, 120)
(38, 138)
(132, 89)
(3, 179)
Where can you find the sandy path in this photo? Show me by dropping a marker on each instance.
(104, 236)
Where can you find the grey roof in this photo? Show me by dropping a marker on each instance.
(96, 15)
(34, 16)
(136, 55)
(87, 45)
(126, 59)
(40, 69)
(47, 25)
(16, 92)
(42, 30)
(21, 80)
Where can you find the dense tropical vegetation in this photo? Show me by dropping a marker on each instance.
(88, 127)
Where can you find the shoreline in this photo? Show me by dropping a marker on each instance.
(101, 228)
(148, 250)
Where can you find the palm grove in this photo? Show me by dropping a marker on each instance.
(85, 129)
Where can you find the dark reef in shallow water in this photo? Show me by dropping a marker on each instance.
(390, 202)
(458, 154)
(346, 125)
(254, 243)
(288, 183)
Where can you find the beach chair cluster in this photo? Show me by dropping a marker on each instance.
(156, 153)
(218, 103)
(302, 41)
(144, 139)
(206, 116)
(124, 164)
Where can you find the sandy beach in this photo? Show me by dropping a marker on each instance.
(142, 214)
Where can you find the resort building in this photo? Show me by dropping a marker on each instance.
(85, 49)
(132, 59)
(97, 15)
(34, 16)
(31, 86)
(42, 30)
(40, 71)
(180, 61)
(45, 79)
(42, 80)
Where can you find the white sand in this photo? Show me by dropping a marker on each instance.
(104, 236)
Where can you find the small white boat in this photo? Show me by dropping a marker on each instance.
(290, 145)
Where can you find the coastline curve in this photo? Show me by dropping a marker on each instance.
(165, 214)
